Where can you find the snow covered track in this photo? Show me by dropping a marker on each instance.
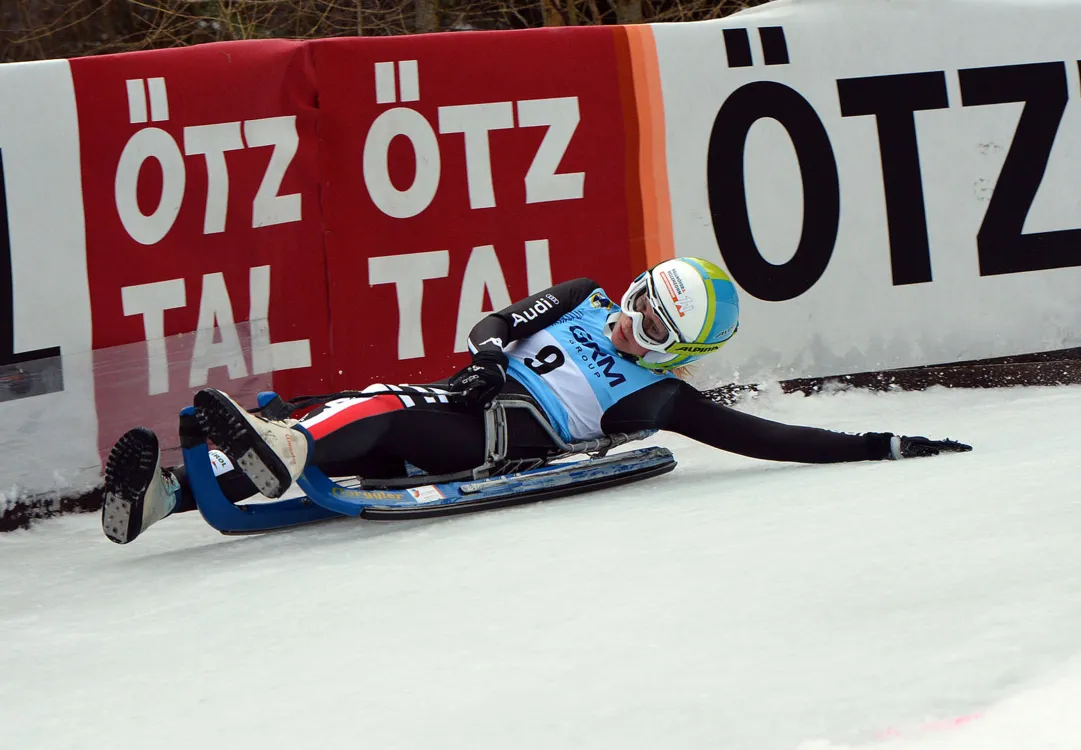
(730, 604)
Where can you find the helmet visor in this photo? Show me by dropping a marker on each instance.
(648, 321)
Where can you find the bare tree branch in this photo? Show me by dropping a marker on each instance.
(38, 29)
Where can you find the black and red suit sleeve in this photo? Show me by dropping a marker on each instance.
(532, 314)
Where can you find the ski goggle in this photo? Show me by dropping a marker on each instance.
(651, 325)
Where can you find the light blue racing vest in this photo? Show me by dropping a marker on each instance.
(575, 372)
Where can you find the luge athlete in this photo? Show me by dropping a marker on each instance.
(593, 368)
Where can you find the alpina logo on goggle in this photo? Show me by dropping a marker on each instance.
(695, 348)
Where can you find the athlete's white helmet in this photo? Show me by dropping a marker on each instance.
(696, 301)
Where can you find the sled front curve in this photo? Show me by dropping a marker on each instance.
(229, 518)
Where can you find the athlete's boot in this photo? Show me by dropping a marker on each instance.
(138, 492)
(270, 452)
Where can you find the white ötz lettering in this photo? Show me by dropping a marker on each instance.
(211, 141)
(400, 82)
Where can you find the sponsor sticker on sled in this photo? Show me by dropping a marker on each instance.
(350, 494)
(426, 494)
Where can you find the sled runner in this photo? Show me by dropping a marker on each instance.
(569, 469)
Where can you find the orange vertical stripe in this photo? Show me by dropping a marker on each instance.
(652, 164)
(659, 146)
(645, 137)
(635, 228)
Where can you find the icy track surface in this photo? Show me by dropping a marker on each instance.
(732, 604)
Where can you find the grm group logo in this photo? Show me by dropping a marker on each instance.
(601, 359)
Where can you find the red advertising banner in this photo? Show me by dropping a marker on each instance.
(320, 215)
(461, 172)
(203, 228)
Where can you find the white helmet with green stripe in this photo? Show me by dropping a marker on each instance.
(694, 299)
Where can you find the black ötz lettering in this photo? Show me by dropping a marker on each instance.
(1003, 245)
(894, 100)
(728, 196)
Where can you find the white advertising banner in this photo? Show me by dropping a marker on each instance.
(890, 183)
(49, 436)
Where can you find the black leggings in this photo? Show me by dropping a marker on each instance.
(433, 437)
(375, 437)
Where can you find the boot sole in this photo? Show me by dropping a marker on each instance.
(228, 427)
(128, 473)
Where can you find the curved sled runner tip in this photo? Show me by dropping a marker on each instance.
(249, 518)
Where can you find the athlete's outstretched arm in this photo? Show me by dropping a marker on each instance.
(678, 407)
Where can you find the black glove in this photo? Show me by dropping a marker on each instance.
(481, 381)
(902, 446)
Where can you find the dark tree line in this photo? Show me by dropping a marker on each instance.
(41, 29)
